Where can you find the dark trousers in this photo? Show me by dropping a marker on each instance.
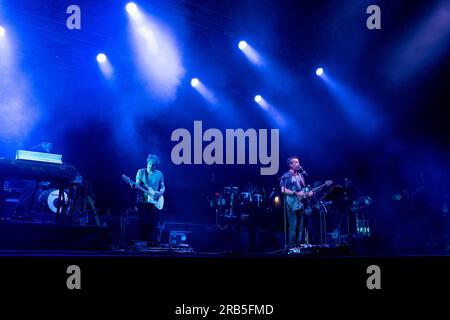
(147, 222)
(295, 222)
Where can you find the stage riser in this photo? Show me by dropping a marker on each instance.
(48, 236)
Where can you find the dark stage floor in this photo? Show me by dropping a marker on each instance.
(166, 281)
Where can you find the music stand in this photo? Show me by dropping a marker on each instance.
(340, 196)
(323, 220)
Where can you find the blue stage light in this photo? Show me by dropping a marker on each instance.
(156, 52)
(319, 71)
(242, 45)
(101, 57)
(258, 98)
(131, 8)
(194, 82)
(2, 31)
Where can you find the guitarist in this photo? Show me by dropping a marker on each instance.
(292, 184)
(149, 177)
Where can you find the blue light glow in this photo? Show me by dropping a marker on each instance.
(101, 58)
(194, 82)
(157, 55)
(131, 8)
(242, 45)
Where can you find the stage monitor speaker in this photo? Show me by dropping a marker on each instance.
(198, 236)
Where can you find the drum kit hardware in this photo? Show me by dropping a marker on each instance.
(48, 200)
(337, 215)
(239, 209)
(76, 201)
(234, 202)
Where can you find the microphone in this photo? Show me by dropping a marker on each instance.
(303, 170)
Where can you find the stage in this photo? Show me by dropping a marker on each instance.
(159, 283)
(118, 236)
(168, 279)
(219, 159)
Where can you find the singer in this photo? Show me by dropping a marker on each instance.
(293, 185)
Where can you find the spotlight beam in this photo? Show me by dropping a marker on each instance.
(250, 53)
(204, 91)
(157, 54)
(105, 66)
(131, 8)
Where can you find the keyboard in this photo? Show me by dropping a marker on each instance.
(34, 170)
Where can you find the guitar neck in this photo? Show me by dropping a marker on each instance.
(137, 186)
(140, 188)
(318, 188)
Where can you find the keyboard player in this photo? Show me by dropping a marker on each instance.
(46, 145)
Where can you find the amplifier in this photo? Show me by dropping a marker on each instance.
(179, 233)
(179, 237)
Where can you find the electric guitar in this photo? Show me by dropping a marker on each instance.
(298, 203)
(158, 202)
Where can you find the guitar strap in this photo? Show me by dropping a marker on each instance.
(302, 181)
(299, 181)
(148, 181)
(144, 184)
